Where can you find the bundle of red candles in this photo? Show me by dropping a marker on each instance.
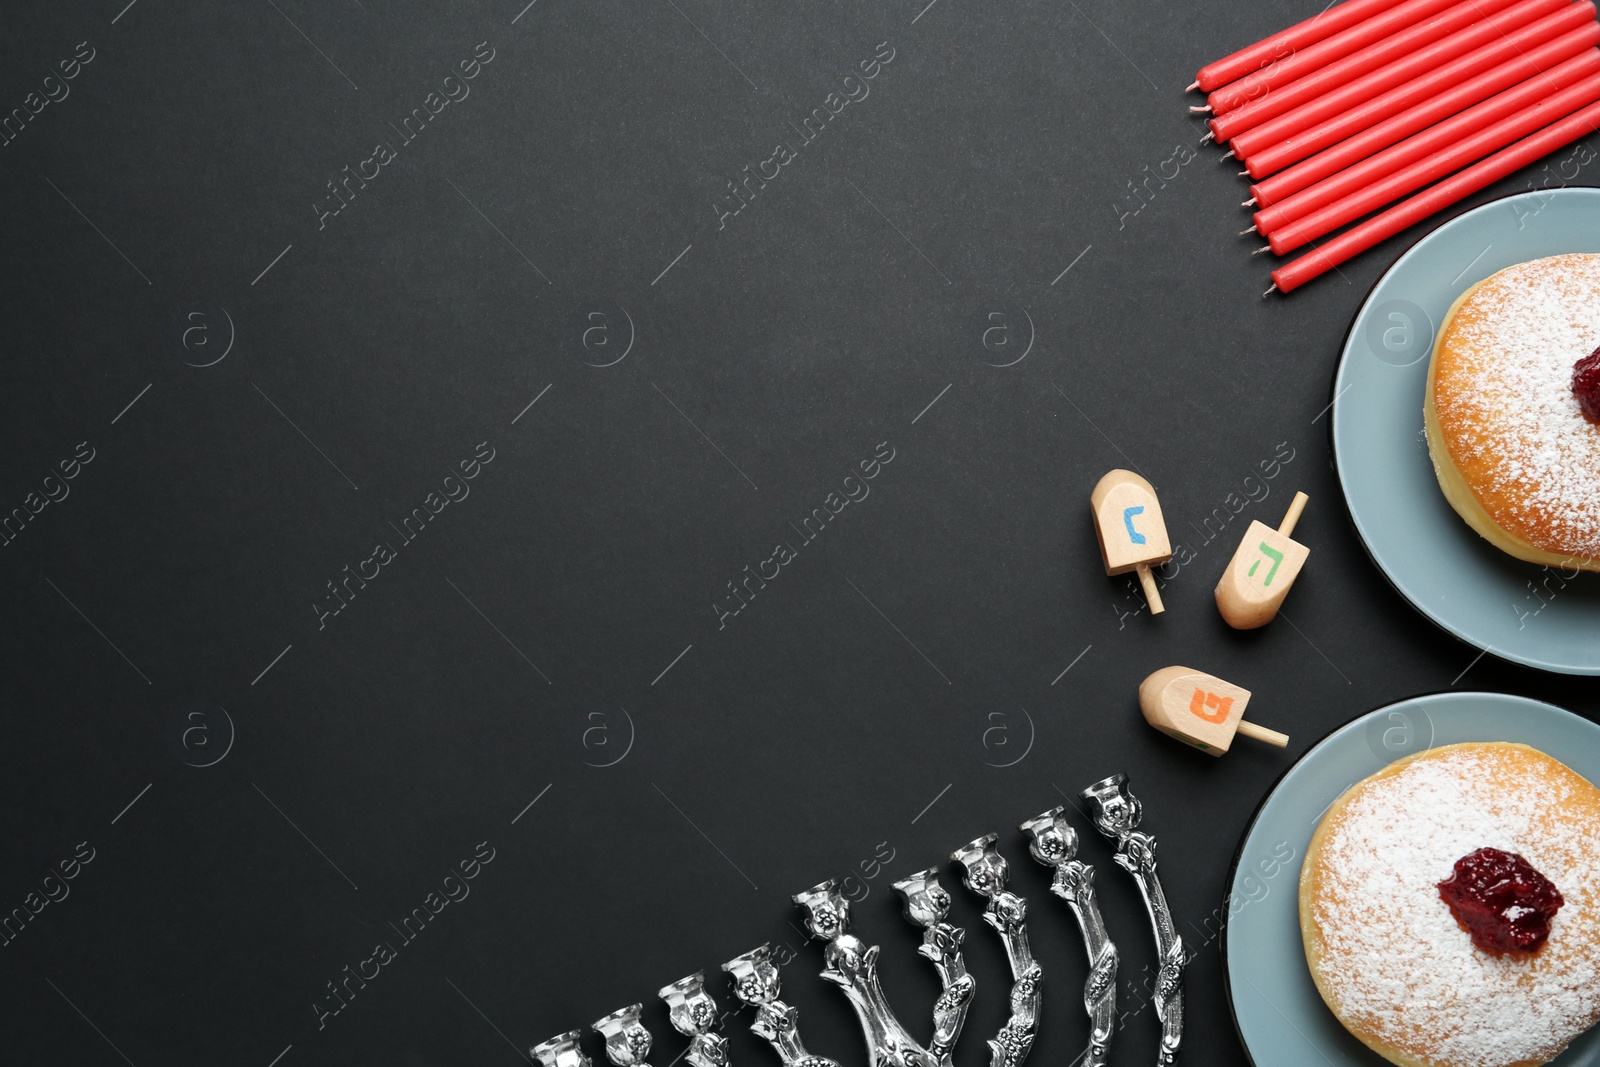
(1372, 100)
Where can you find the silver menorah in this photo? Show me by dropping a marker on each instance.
(852, 964)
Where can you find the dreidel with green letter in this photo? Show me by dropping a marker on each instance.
(1259, 576)
(1133, 535)
(1200, 709)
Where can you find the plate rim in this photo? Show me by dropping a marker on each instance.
(1505, 656)
(1272, 791)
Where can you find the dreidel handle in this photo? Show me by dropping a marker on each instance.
(1261, 733)
(1152, 595)
(1286, 527)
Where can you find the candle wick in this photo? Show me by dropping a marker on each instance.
(1263, 248)
(1192, 87)
(1249, 203)
(1272, 289)
(1248, 229)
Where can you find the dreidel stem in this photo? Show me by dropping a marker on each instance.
(1152, 595)
(1261, 733)
(1286, 527)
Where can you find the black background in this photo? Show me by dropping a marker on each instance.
(918, 641)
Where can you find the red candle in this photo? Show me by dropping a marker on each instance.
(1340, 100)
(1285, 44)
(1418, 104)
(1320, 54)
(1486, 172)
(1331, 77)
(1484, 116)
(1473, 147)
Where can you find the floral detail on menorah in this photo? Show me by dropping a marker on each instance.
(627, 1041)
(693, 1014)
(852, 964)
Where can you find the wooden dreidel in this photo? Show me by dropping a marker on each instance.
(1132, 533)
(1262, 569)
(1200, 709)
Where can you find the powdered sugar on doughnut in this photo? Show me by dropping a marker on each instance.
(1514, 419)
(1396, 962)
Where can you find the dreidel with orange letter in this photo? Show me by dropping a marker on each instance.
(1132, 533)
(1200, 709)
(1263, 568)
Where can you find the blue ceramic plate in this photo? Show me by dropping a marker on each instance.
(1541, 617)
(1280, 1016)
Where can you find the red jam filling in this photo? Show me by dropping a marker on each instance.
(1586, 385)
(1500, 900)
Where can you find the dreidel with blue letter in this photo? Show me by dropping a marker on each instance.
(1133, 535)
(1200, 709)
(1259, 576)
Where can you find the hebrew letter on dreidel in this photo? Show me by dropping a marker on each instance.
(1132, 533)
(1203, 700)
(1249, 594)
(1272, 554)
(1127, 520)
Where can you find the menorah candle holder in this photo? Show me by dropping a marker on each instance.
(1055, 844)
(561, 1051)
(754, 980)
(984, 872)
(627, 1040)
(1116, 815)
(926, 904)
(693, 1013)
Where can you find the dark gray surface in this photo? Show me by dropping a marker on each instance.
(908, 648)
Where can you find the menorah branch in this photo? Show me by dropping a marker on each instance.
(1055, 844)
(984, 872)
(1116, 815)
(926, 904)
